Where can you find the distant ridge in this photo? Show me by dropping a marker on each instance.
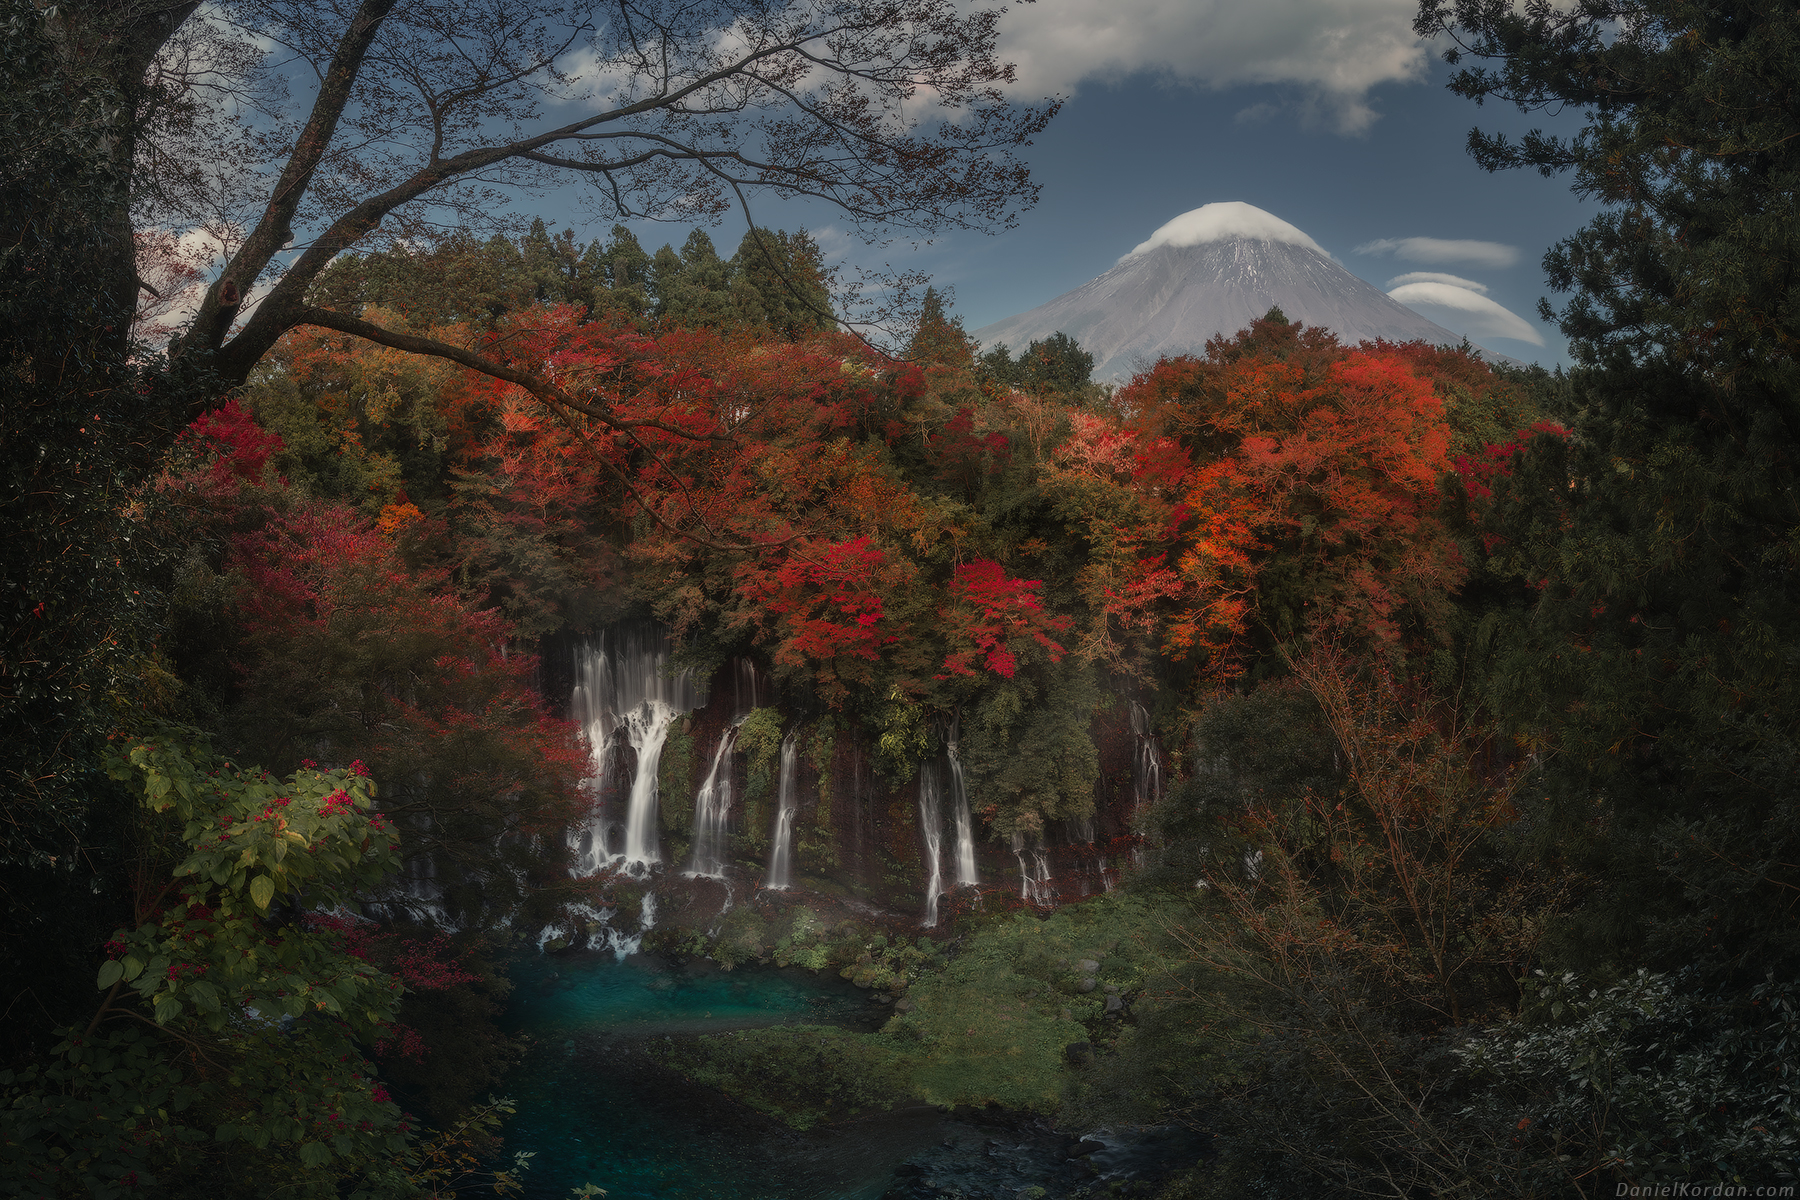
(1207, 272)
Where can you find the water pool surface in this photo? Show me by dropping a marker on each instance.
(594, 1107)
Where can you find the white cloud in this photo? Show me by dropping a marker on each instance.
(1467, 312)
(1437, 277)
(1225, 219)
(835, 245)
(1443, 250)
(1333, 50)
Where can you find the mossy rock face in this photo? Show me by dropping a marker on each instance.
(556, 945)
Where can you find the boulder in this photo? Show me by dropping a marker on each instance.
(1114, 1005)
(1079, 1054)
(1088, 965)
(1088, 984)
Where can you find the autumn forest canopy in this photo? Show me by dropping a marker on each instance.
(1472, 867)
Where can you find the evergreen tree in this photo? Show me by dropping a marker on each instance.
(1652, 644)
(998, 368)
(781, 283)
(1056, 364)
(939, 338)
(693, 288)
(622, 278)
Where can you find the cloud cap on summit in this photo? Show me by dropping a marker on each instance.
(1222, 221)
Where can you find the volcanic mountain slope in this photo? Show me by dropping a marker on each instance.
(1207, 272)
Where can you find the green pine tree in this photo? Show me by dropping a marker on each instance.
(1651, 648)
(939, 338)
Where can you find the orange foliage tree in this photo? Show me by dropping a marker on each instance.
(1315, 491)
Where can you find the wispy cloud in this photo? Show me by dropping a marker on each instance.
(1468, 312)
(1443, 250)
(1332, 51)
(1437, 277)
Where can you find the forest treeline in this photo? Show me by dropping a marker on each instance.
(1478, 871)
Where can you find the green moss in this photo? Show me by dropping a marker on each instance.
(675, 784)
(743, 937)
(759, 740)
(990, 1025)
(799, 1074)
(818, 841)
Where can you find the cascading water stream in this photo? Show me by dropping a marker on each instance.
(967, 874)
(931, 827)
(712, 803)
(1081, 833)
(781, 848)
(1034, 871)
(623, 686)
(1146, 769)
(712, 810)
(1146, 762)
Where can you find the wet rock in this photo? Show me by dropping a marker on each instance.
(908, 1170)
(903, 1005)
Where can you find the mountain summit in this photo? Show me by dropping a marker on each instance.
(1207, 272)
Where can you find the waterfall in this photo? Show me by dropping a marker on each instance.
(712, 809)
(747, 688)
(1081, 833)
(781, 849)
(623, 687)
(1146, 762)
(931, 825)
(966, 873)
(712, 803)
(424, 896)
(1146, 772)
(1034, 875)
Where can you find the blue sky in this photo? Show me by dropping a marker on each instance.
(1327, 113)
(1330, 114)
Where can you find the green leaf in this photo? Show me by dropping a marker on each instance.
(167, 1009)
(314, 1154)
(133, 967)
(262, 890)
(110, 973)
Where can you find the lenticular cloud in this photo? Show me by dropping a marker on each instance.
(1476, 315)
